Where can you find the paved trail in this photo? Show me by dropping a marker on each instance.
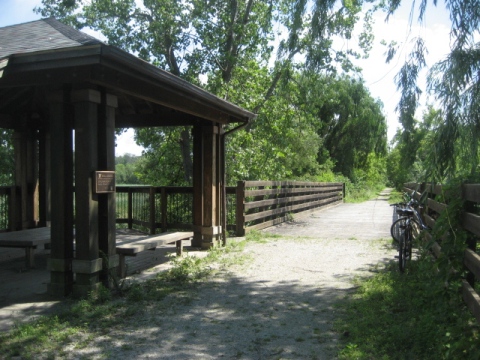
(279, 304)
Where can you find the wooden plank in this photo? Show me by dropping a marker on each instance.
(264, 214)
(471, 192)
(25, 238)
(135, 248)
(429, 221)
(472, 262)
(436, 206)
(292, 199)
(290, 183)
(472, 299)
(262, 192)
(471, 222)
(282, 219)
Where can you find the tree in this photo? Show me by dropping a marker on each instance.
(349, 121)
(455, 83)
(217, 41)
(7, 162)
(126, 169)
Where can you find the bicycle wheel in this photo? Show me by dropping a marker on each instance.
(398, 228)
(402, 261)
(405, 248)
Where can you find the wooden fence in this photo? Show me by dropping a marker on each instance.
(470, 223)
(250, 205)
(261, 204)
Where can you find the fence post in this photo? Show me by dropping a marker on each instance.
(343, 192)
(471, 239)
(152, 210)
(240, 209)
(130, 207)
(163, 207)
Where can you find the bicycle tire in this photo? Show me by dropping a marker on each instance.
(398, 228)
(405, 248)
(401, 255)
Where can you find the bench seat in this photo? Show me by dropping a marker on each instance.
(27, 239)
(150, 243)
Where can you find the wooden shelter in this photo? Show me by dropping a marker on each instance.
(55, 79)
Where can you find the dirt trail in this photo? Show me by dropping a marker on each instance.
(280, 304)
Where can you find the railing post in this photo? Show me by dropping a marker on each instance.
(130, 207)
(152, 210)
(343, 192)
(164, 208)
(240, 209)
(471, 239)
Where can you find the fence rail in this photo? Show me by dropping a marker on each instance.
(261, 204)
(470, 223)
(250, 205)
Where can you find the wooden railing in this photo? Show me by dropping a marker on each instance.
(261, 204)
(470, 223)
(250, 205)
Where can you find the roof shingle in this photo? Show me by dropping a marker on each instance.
(40, 35)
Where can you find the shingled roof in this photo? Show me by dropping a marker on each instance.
(40, 35)
(46, 53)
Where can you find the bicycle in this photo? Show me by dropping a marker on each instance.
(403, 229)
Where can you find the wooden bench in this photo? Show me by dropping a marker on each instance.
(149, 243)
(27, 239)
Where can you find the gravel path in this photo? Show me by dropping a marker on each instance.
(280, 304)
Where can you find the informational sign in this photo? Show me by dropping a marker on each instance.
(104, 182)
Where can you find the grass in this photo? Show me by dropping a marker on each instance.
(390, 315)
(414, 315)
(406, 316)
(82, 321)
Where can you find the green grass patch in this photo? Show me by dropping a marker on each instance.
(406, 316)
(82, 321)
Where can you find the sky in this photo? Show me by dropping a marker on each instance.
(378, 76)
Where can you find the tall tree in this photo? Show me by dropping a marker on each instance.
(349, 121)
(454, 82)
(212, 42)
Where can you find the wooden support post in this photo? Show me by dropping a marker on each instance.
(26, 174)
(198, 195)
(61, 154)
(240, 209)
(86, 201)
(223, 185)
(106, 202)
(44, 173)
(210, 187)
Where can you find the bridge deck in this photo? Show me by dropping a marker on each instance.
(363, 221)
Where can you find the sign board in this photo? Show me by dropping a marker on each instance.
(104, 182)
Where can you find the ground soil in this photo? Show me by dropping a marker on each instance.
(279, 304)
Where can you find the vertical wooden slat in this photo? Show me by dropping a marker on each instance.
(130, 208)
(151, 200)
(240, 209)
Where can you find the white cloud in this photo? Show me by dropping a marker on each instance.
(126, 144)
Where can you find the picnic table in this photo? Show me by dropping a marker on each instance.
(27, 239)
